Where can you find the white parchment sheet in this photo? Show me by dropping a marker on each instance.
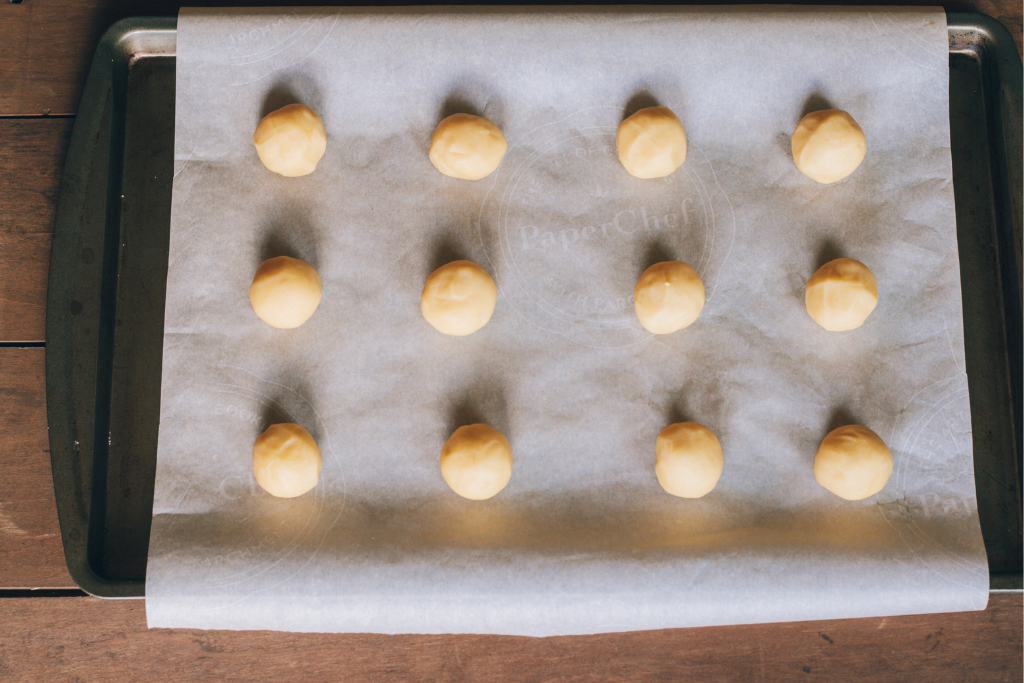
(583, 539)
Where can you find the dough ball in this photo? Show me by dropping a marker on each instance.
(828, 145)
(841, 295)
(291, 140)
(459, 298)
(286, 460)
(651, 143)
(477, 461)
(853, 463)
(668, 297)
(466, 146)
(285, 292)
(689, 459)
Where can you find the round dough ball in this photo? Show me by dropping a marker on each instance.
(828, 145)
(689, 459)
(651, 143)
(853, 463)
(285, 292)
(668, 297)
(467, 147)
(459, 298)
(841, 295)
(477, 461)
(291, 140)
(286, 460)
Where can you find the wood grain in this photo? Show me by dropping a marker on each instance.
(31, 551)
(46, 46)
(32, 155)
(45, 50)
(88, 639)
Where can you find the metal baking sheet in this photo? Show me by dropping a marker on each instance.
(109, 263)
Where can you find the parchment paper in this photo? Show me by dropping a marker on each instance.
(583, 539)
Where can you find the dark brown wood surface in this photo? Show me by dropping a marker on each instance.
(85, 639)
(31, 552)
(32, 155)
(45, 50)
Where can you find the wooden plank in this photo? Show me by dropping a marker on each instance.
(46, 46)
(32, 155)
(45, 52)
(31, 551)
(89, 639)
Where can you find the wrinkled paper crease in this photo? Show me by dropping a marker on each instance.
(583, 539)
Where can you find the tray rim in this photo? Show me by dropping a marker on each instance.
(125, 40)
(139, 37)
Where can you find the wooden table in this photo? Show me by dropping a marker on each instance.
(59, 634)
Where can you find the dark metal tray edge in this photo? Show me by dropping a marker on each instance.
(74, 477)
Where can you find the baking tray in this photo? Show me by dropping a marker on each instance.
(108, 271)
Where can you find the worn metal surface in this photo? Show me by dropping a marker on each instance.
(109, 264)
(105, 307)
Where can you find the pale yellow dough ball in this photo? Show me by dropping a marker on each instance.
(477, 461)
(458, 298)
(467, 147)
(285, 292)
(668, 297)
(828, 145)
(651, 143)
(688, 459)
(291, 140)
(286, 460)
(853, 462)
(841, 295)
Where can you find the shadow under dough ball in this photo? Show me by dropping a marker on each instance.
(291, 140)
